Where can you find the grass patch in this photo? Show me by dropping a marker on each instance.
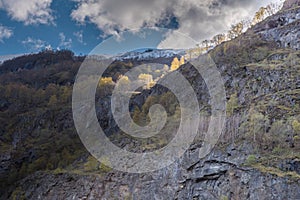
(276, 171)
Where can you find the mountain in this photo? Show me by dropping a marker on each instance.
(8, 57)
(257, 156)
(144, 54)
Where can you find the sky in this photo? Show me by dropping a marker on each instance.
(29, 26)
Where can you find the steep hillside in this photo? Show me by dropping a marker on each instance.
(257, 157)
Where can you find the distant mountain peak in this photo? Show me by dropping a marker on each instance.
(150, 53)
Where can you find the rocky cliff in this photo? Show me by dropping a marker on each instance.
(290, 4)
(257, 157)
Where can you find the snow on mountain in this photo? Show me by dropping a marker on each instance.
(142, 54)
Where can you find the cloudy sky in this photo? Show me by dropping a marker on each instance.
(28, 26)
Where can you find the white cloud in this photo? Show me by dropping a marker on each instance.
(35, 44)
(64, 42)
(29, 11)
(198, 19)
(79, 36)
(5, 33)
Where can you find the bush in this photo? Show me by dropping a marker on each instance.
(92, 164)
(251, 160)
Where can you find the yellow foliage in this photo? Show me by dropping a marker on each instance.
(147, 79)
(124, 80)
(166, 68)
(181, 61)
(177, 63)
(106, 80)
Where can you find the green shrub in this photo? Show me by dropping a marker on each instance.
(92, 164)
(251, 160)
(232, 104)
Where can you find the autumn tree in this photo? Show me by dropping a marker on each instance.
(166, 68)
(236, 30)
(218, 39)
(259, 15)
(147, 79)
(181, 62)
(124, 82)
(105, 86)
(175, 64)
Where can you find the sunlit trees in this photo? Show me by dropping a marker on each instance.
(166, 68)
(175, 64)
(105, 86)
(259, 15)
(147, 79)
(235, 30)
(218, 39)
(124, 82)
(181, 62)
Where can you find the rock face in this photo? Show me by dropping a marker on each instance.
(283, 27)
(290, 4)
(219, 176)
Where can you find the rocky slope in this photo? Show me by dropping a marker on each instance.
(257, 157)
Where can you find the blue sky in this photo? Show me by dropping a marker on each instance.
(28, 26)
(65, 33)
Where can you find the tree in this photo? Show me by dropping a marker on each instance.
(273, 8)
(205, 44)
(246, 24)
(106, 80)
(138, 117)
(52, 100)
(218, 39)
(65, 94)
(105, 86)
(236, 30)
(259, 15)
(175, 64)
(181, 62)
(258, 125)
(166, 68)
(147, 79)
